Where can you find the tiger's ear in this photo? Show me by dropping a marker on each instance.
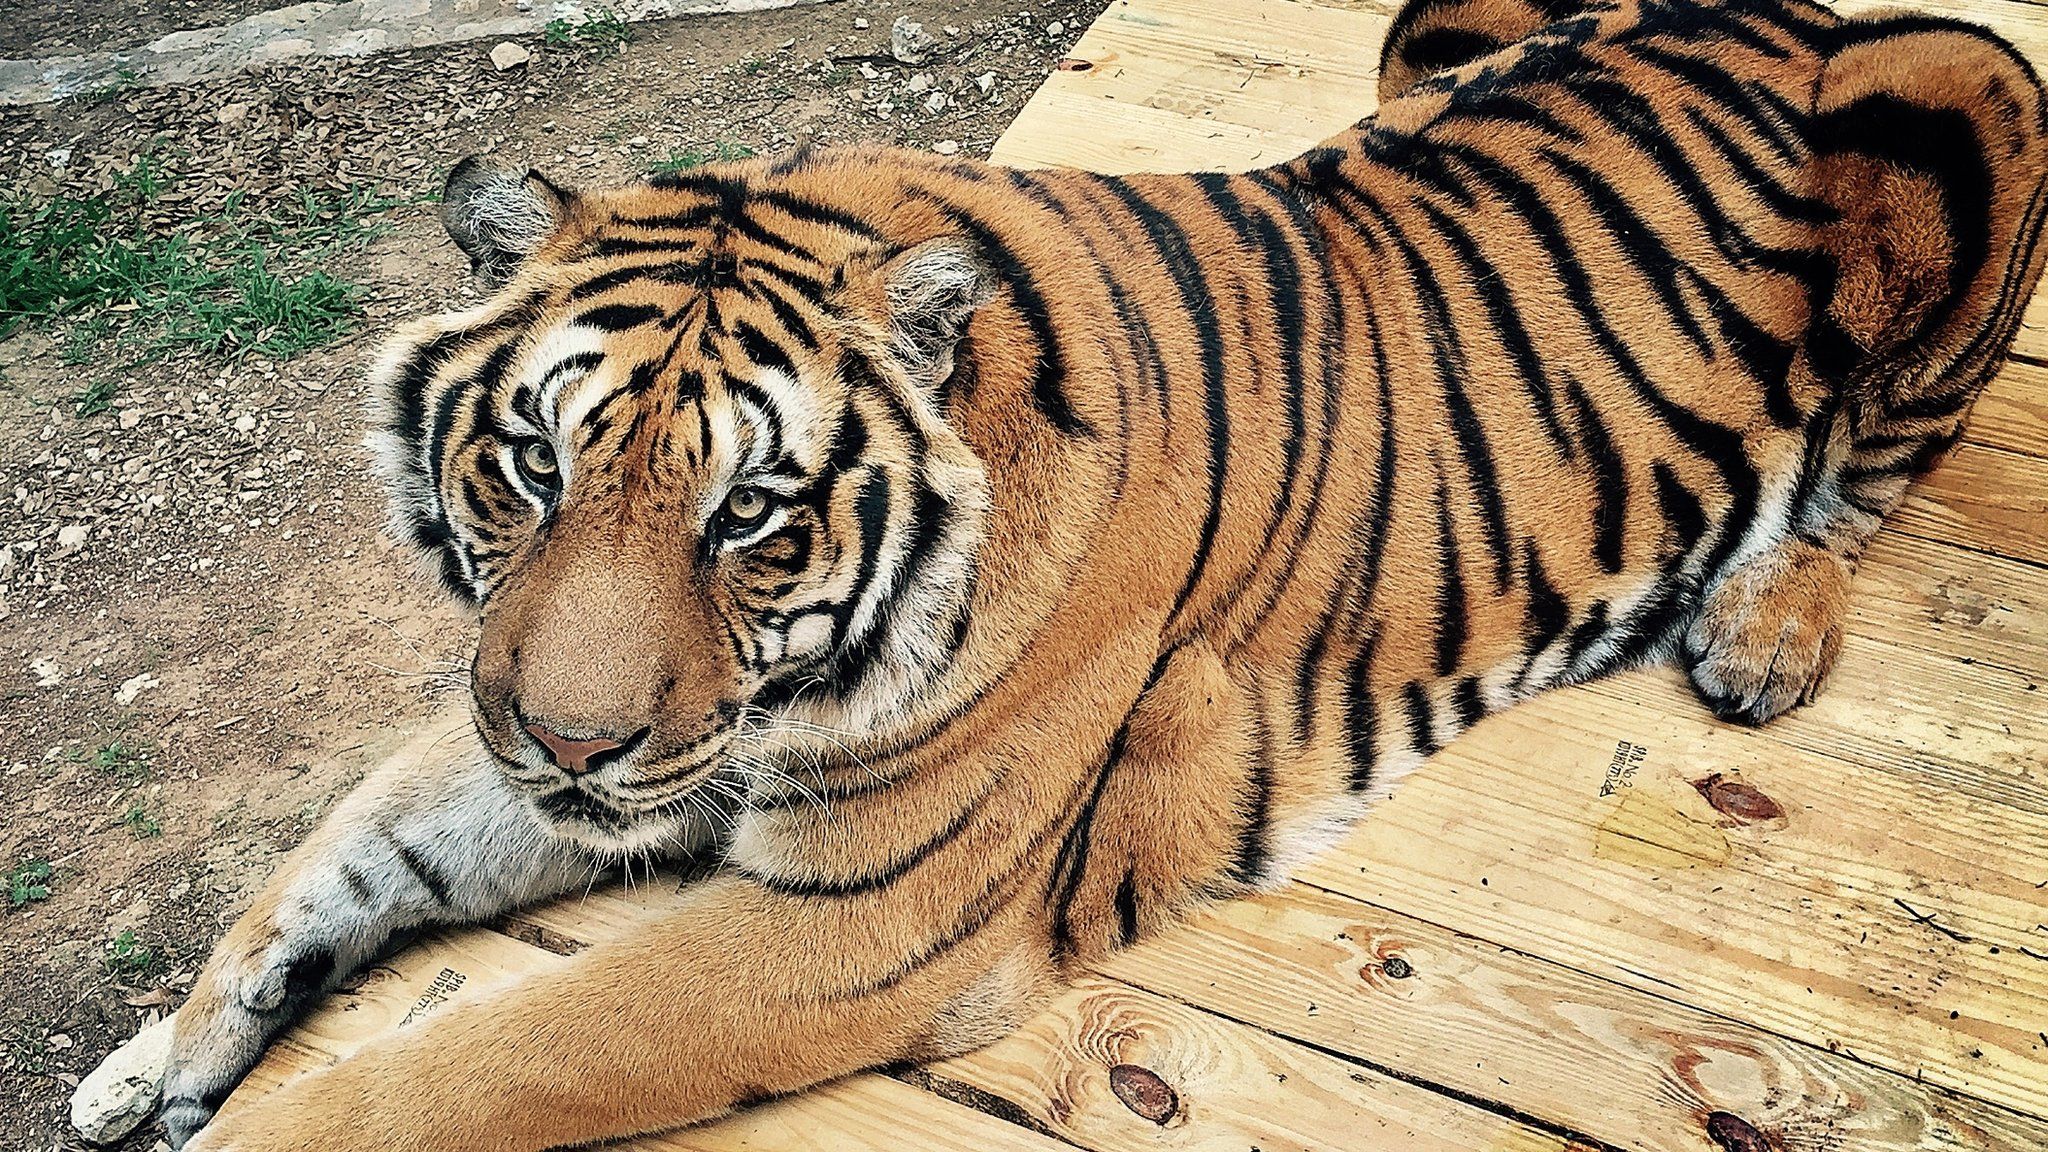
(932, 290)
(498, 216)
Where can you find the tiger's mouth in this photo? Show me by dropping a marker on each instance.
(573, 805)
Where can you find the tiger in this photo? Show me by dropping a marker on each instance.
(981, 569)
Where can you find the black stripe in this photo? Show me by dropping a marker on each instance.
(1497, 300)
(618, 317)
(1610, 480)
(1171, 245)
(879, 878)
(1127, 907)
(1049, 369)
(422, 871)
(1421, 719)
(1249, 863)
(1451, 608)
(1466, 699)
(1681, 510)
(1361, 716)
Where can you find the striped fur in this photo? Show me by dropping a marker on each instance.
(1125, 536)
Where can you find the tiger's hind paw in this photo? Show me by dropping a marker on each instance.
(1768, 632)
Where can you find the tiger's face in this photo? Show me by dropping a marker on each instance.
(691, 465)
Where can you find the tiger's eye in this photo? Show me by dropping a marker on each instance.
(745, 506)
(537, 459)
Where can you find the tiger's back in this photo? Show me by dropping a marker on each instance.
(1613, 343)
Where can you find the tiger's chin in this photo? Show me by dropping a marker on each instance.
(606, 829)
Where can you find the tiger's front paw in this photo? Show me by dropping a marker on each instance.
(249, 991)
(1768, 632)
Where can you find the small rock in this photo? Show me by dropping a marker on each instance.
(71, 537)
(935, 103)
(507, 56)
(922, 82)
(908, 41)
(233, 113)
(116, 1097)
(48, 673)
(134, 686)
(1055, 28)
(986, 82)
(245, 423)
(860, 22)
(130, 417)
(946, 147)
(59, 158)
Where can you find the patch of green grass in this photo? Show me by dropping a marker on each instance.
(141, 822)
(29, 882)
(720, 152)
(602, 29)
(96, 397)
(127, 958)
(128, 762)
(82, 338)
(230, 284)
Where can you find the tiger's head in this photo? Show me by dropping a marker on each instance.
(690, 464)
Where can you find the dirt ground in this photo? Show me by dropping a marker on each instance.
(204, 638)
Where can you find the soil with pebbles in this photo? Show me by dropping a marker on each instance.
(200, 620)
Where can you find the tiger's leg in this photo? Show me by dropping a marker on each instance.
(412, 845)
(742, 994)
(1931, 142)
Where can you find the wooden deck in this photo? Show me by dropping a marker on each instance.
(1580, 927)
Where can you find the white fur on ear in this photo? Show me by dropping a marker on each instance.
(933, 289)
(499, 217)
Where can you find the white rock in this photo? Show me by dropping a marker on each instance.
(71, 537)
(922, 82)
(507, 56)
(134, 686)
(908, 41)
(1055, 28)
(946, 147)
(233, 113)
(245, 423)
(860, 22)
(116, 1097)
(986, 82)
(48, 673)
(935, 103)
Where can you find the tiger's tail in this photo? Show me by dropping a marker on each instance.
(1930, 141)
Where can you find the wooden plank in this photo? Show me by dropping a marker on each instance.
(1179, 85)
(1227, 1078)
(860, 1114)
(1230, 1086)
(1624, 1068)
(1803, 925)
(1982, 498)
(2013, 412)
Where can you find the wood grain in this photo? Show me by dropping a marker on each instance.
(1574, 1051)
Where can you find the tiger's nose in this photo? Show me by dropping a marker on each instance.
(578, 756)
